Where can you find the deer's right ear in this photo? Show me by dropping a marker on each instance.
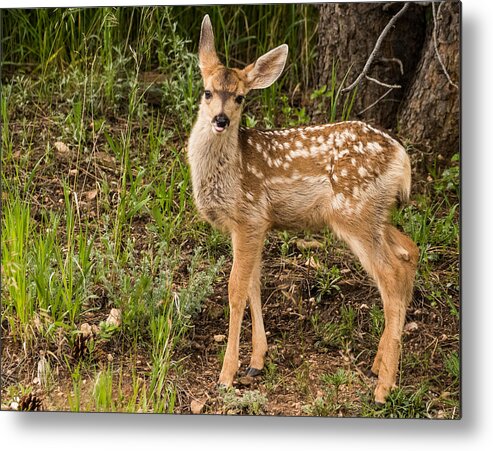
(207, 52)
(267, 69)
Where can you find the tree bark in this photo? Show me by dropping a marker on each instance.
(347, 34)
(429, 115)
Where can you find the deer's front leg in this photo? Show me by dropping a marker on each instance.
(247, 248)
(259, 340)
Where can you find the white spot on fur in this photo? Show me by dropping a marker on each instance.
(374, 147)
(338, 201)
(343, 172)
(348, 134)
(362, 171)
(253, 170)
(343, 153)
(358, 147)
(335, 178)
(339, 140)
(303, 153)
(249, 196)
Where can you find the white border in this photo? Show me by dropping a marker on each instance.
(110, 431)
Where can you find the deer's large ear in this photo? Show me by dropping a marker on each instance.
(267, 69)
(207, 52)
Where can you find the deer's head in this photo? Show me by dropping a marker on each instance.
(224, 88)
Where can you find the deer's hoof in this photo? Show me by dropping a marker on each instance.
(381, 393)
(252, 372)
(370, 373)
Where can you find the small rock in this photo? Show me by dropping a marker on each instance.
(219, 338)
(196, 407)
(410, 327)
(114, 318)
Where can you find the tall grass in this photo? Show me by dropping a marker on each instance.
(45, 39)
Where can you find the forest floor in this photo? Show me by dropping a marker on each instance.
(99, 204)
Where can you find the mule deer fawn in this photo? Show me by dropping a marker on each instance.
(344, 175)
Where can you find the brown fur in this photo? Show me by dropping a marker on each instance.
(346, 176)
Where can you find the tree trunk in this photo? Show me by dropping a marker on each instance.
(429, 115)
(347, 34)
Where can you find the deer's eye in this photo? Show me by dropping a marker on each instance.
(239, 99)
(207, 95)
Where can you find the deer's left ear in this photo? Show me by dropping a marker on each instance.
(207, 52)
(267, 69)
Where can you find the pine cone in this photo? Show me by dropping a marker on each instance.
(30, 402)
(80, 346)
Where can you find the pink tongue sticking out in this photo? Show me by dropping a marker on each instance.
(218, 129)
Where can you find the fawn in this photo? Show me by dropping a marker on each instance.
(344, 175)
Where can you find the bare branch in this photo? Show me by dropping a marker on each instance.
(380, 39)
(375, 102)
(436, 46)
(381, 83)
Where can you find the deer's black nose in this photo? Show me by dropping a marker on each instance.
(221, 120)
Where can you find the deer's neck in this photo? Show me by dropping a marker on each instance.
(215, 161)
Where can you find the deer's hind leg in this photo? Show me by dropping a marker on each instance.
(390, 258)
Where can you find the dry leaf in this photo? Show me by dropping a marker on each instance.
(219, 338)
(308, 244)
(91, 195)
(105, 160)
(86, 330)
(312, 263)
